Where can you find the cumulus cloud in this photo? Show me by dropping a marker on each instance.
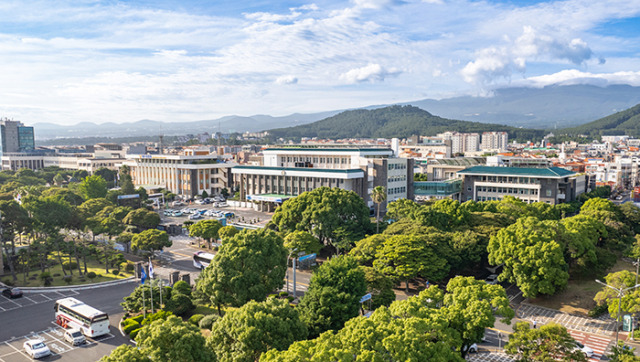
(368, 73)
(501, 62)
(573, 76)
(286, 79)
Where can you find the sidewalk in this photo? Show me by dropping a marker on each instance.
(542, 315)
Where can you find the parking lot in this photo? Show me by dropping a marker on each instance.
(28, 299)
(12, 350)
(243, 213)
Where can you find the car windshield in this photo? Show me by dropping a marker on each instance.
(15, 290)
(580, 345)
(76, 334)
(38, 345)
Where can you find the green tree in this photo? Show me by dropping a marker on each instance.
(126, 353)
(532, 257)
(333, 296)
(206, 229)
(378, 196)
(366, 249)
(126, 183)
(150, 240)
(91, 207)
(623, 353)
(256, 327)
(401, 208)
(58, 179)
(322, 212)
(550, 342)
(143, 219)
(133, 302)
(227, 232)
(406, 257)
(247, 267)
(380, 286)
(302, 241)
(107, 174)
(173, 340)
(93, 187)
(14, 219)
(630, 301)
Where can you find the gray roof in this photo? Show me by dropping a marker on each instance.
(548, 172)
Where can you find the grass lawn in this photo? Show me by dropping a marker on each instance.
(577, 298)
(92, 266)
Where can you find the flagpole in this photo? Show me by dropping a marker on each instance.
(161, 290)
(151, 290)
(144, 307)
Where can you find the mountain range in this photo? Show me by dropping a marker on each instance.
(557, 106)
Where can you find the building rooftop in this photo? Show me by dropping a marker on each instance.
(341, 149)
(552, 172)
(304, 169)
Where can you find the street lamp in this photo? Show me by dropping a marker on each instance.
(294, 272)
(620, 292)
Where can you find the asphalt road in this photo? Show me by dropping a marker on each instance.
(36, 321)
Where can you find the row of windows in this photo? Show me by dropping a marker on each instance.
(337, 160)
(397, 190)
(397, 178)
(507, 190)
(508, 179)
(69, 312)
(397, 166)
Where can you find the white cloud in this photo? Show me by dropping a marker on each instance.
(368, 73)
(286, 79)
(573, 76)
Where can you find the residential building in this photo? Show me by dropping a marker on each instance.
(552, 185)
(187, 175)
(494, 141)
(462, 142)
(288, 172)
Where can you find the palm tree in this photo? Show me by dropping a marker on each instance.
(378, 195)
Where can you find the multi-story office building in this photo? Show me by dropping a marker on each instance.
(16, 137)
(185, 175)
(552, 185)
(494, 141)
(288, 172)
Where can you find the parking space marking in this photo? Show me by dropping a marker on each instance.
(32, 301)
(17, 350)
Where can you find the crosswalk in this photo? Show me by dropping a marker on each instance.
(599, 344)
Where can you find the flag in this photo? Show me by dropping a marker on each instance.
(144, 275)
(150, 269)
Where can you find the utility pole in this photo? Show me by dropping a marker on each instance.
(620, 293)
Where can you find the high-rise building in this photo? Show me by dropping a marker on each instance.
(16, 137)
(494, 140)
(462, 142)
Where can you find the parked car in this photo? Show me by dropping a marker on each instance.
(588, 352)
(228, 214)
(473, 348)
(12, 293)
(492, 279)
(75, 337)
(36, 348)
(178, 203)
(195, 217)
(177, 213)
(200, 202)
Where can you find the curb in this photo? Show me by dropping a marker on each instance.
(122, 332)
(79, 287)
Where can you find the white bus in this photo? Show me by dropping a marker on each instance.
(202, 260)
(71, 312)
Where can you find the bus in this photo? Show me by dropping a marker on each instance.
(71, 312)
(202, 260)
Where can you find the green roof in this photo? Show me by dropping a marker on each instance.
(552, 172)
(304, 169)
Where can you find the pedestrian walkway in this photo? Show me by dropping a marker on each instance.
(543, 316)
(489, 357)
(600, 345)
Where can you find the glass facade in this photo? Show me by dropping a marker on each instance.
(25, 139)
(437, 188)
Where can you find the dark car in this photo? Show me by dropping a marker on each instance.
(12, 293)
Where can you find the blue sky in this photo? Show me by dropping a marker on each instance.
(118, 61)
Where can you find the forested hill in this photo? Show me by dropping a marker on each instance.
(624, 122)
(393, 121)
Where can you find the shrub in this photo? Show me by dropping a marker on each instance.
(91, 275)
(208, 321)
(283, 294)
(134, 333)
(179, 304)
(68, 265)
(182, 287)
(161, 314)
(129, 267)
(290, 298)
(195, 319)
(130, 327)
(115, 272)
(56, 274)
(9, 282)
(68, 279)
(138, 318)
(46, 278)
(599, 310)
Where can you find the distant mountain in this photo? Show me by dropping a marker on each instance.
(555, 106)
(626, 122)
(394, 121)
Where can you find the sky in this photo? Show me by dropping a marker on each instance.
(74, 61)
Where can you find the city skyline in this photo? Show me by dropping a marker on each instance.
(122, 61)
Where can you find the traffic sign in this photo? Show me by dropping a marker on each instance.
(303, 258)
(365, 297)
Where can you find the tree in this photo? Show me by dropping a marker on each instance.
(143, 219)
(381, 337)
(133, 302)
(623, 353)
(380, 286)
(630, 301)
(126, 353)
(247, 267)
(126, 184)
(302, 241)
(550, 342)
(93, 187)
(206, 229)
(14, 219)
(150, 240)
(226, 232)
(532, 257)
(322, 211)
(107, 174)
(378, 196)
(333, 296)
(58, 179)
(256, 327)
(401, 208)
(406, 257)
(173, 340)
(366, 249)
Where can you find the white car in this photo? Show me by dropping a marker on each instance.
(492, 279)
(74, 336)
(588, 352)
(36, 348)
(195, 217)
(473, 348)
